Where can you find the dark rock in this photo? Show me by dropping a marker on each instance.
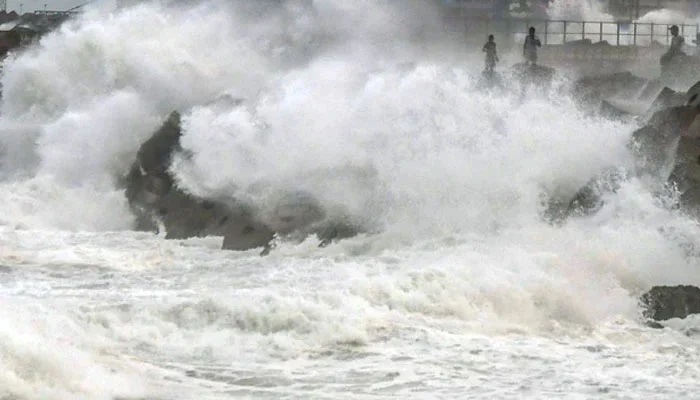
(651, 89)
(536, 74)
(667, 98)
(665, 302)
(653, 324)
(586, 201)
(670, 140)
(619, 84)
(294, 210)
(490, 80)
(579, 42)
(693, 95)
(589, 199)
(239, 236)
(148, 178)
(685, 177)
(656, 144)
(611, 111)
(156, 200)
(681, 70)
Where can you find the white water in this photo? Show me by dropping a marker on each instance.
(461, 289)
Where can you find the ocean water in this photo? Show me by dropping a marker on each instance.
(460, 288)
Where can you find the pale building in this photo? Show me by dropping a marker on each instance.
(634, 9)
(497, 8)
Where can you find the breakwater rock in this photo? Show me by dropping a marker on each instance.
(159, 203)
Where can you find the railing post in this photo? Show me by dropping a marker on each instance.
(583, 30)
(618, 33)
(546, 31)
(651, 39)
(564, 33)
(601, 31)
(634, 36)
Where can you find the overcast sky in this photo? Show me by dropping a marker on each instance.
(31, 5)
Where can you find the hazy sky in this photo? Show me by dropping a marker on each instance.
(31, 5)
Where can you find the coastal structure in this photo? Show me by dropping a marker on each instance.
(509, 20)
(635, 9)
(496, 8)
(586, 46)
(623, 10)
(20, 30)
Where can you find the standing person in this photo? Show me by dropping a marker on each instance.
(491, 54)
(532, 42)
(676, 48)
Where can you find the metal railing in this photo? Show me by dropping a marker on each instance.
(553, 32)
(615, 33)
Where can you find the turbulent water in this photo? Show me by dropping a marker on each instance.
(460, 287)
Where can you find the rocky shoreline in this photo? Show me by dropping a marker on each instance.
(670, 135)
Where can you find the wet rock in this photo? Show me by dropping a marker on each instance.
(651, 89)
(589, 199)
(666, 143)
(681, 71)
(157, 201)
(668, 98)
(598, 88)
(579, 42)
(665, 302)
(612, 111)
(655, 144)
(241, 236)
(693, 95)
(539, 75)
(685, 176)
(490, 80)
(148, 179)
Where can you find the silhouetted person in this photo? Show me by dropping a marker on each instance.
(532, 42)
(676, 48)
(491, 54)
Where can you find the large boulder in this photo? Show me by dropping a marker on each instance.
(589, 199)
(677, 146)
(158, 202)
(490, 80)
(666, 302)
(533, 74)
(667, 98)
(655, 144)
(685, 176)
(670, 141)
(680, 71)
(651, 90)
(620, 84)
(609, 109)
